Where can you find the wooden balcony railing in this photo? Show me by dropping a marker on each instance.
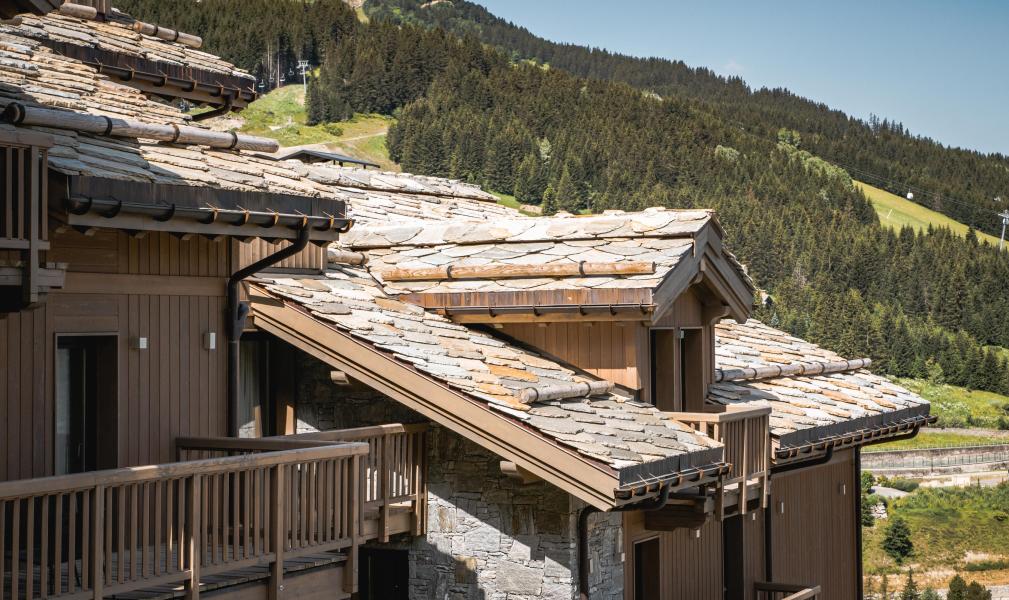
(109, 532)
(393, 473)
(785, 591)
(24, 221)
(746, 435)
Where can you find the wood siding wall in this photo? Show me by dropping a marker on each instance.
(311, 259)
(814, 539)
(753, 552)
(168, 290)
(612, 351)
(692, 563)
(618, 351)
(687, 311)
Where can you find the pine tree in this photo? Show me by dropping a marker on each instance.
(910, 591)
(527, 180)
(930, 594)
(566, 197)
(867, 518)
(957, 589)
(897, 540)
(976, 591)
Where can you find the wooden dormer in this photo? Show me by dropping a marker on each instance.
(619, 295)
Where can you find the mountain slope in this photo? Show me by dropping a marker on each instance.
(896, 212)
(959, 183)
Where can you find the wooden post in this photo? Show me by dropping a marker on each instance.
(419, 478)
(30, 291)
(279, 539)
(194, 545)
(97, 543)
(745, 467)
(385, 477)
(354, 515)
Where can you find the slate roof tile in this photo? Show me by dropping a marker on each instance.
(432, 345)
(800, 402)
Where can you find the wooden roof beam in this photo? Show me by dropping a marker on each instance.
(564, 313)
(580, 269)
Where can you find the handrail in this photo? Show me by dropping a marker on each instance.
(744, 432)
(59, 483)
(392, 471)
(795, 591)
(732, 413)
(121, 530)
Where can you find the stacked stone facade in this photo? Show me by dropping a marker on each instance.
(489, 537)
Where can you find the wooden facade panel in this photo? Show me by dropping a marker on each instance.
(691, 559)
(311, 259)
(158, 399)
(753, 552)
(814, 538)
(606, 349)
(156, 253)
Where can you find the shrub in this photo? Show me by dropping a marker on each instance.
(986, 565)
(899, 483)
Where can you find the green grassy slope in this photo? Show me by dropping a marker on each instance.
(896, 212)
(950, 527)
(960, 407)
(280, 115)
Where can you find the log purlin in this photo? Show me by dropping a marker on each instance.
(579, 269)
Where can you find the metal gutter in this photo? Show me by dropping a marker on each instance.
(238, 311)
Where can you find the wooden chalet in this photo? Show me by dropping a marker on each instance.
(236, 377)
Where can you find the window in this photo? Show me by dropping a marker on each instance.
(646, 569)
(691, 350)
(663, 369)
(254, 418)
(86, 398)
(677, 369)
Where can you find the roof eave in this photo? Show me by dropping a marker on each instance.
(589, 480)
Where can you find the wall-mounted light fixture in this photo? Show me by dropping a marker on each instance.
(138, 343)
(210, 340)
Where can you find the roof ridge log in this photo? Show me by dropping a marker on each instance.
(791, 370)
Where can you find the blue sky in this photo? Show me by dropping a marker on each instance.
(941, 68)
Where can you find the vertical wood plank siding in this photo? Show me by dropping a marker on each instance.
(692, 563)
(175, 387)
(612, 351)
(814, 540)
(311, 259)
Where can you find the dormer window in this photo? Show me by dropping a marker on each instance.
(677, 368)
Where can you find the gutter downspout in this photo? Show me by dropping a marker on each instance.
(768, 529)
(238, 311)
(583, 535)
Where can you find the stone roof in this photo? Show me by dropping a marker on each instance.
(116, 34)
(656, 237)
(35, 75)
(608, 428)
(823, 391)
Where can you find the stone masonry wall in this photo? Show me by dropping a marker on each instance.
(489, 536)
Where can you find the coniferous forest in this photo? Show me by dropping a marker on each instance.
(595, 131)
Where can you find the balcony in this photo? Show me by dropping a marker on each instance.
(785, 591)
(258, 511)
(24, 221)
(745, 433)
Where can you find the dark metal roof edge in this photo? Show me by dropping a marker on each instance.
(821, 433)
(669, 466)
